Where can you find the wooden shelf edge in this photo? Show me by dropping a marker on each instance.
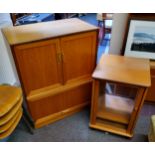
(102, 127)
(124, 119)
(53, 91)
(58, 116)
(109, 111)
(112, 100)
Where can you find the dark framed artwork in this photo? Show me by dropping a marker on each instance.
(141, 39)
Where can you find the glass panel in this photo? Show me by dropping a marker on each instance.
(116, 102)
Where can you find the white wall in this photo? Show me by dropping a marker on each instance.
(118, 30)
(8, 72)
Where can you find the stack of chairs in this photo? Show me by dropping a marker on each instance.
(10, 109)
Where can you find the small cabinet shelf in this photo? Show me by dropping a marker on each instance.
(115, 108)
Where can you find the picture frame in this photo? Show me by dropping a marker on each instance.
(141, 39)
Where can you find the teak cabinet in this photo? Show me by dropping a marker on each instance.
(54, 63)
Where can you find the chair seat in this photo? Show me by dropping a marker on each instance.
(9, 96)
(11, 129)
(6, 126)
(9, 115)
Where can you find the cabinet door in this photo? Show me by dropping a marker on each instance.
(46, 106)
(79, 56)
(38, 66)
(79, 96)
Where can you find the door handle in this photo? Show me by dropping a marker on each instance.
(59, 57)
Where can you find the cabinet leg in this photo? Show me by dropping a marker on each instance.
(137, 107)
(94, 102)
(27, 121)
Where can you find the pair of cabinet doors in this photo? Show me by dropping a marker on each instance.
(54, 63)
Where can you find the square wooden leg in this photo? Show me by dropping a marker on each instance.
(141, 93)
(94, 102)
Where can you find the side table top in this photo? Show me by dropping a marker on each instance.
(129, 70)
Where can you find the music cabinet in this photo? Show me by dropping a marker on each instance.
(116, 113)
(54, 61)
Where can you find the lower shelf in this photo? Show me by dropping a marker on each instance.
(115, 108)
(111, 127)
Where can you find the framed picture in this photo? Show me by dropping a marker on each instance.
(141, 39)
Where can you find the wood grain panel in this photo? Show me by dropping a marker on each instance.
(54, 61)
(151, 91)
(37, 64)
(63, 101)
(53, 90)
(77, 96)
(150, 94)
(79, 55)
(59, 115)
(45, 30)
(134, 71)
(46, 106)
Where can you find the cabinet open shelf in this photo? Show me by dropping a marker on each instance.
(111, 127)
(115, 108)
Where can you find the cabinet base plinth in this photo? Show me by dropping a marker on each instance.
(58, 116)
(113, 130)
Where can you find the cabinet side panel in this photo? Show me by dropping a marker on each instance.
(151, 90)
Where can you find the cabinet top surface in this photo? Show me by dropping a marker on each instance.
(134, 71)
(38, 31)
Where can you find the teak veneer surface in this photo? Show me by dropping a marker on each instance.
(54, 61)
(151, 91)
(114, 113)
(45, 30)
(122, 69)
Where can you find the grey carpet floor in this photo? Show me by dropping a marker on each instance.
(75, 129)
